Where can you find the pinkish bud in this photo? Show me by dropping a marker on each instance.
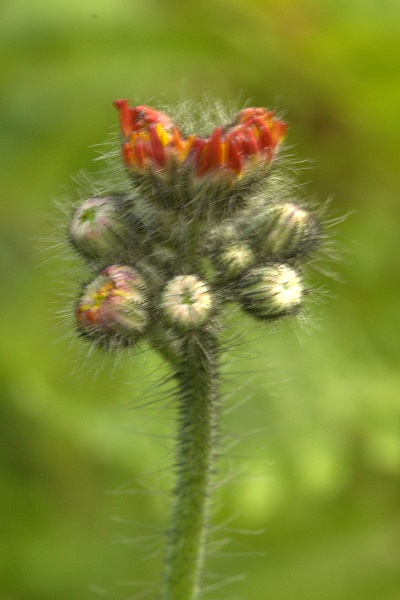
(112, 309)
(97, 228)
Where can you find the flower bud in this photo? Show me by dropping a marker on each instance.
(225, 233)
(151, 141)
(233, 260)
(112, 309)
(96, 229)
(283, 230)
(272, 291)
(187, 301)
(294, 232)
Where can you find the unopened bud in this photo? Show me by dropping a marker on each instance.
(283, 230)
(295, 231)
(187, 301)
(112, 309)
(233, 260)
(96, 229)
(226, 233)
(271, 292)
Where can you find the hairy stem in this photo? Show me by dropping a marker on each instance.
(198, 412)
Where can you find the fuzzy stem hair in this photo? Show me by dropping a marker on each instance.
(197, 438)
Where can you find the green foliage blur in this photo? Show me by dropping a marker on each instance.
(312, 501)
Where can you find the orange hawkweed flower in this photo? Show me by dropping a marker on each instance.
(252, 139)
(153, 141)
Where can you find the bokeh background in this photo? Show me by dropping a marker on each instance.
(313, 512)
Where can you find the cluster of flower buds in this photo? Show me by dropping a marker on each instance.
(153, 141)
(162, 274)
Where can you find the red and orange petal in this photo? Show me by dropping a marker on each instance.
(235, 161)
(89, 314)
(246, 115)
(156, 147)
(140, 118)
(124, 116)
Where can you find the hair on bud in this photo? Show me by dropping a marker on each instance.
(233, 260)
(295, 231)
(97, 229)
(272, 291)
(187, 302)
(112, 310)
(282, 230)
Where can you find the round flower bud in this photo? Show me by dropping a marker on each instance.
(96, 229)
(187, 301)
(271, 292)
(112, 309)
(233, 260)
(294, 231)
(225, 233)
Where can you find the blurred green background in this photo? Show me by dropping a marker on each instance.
(314, 512)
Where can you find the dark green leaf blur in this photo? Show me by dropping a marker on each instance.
(310, 508)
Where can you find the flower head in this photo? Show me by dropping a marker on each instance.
(139, 118)
(251, 140)
(153, 141)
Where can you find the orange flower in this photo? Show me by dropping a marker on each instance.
(252, 139)
(153, 141)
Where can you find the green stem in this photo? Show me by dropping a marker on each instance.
(198, 411)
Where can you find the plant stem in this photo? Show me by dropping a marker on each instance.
(198, 411)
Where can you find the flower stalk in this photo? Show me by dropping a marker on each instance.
(197, 441)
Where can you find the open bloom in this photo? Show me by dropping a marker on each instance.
(152, 141)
